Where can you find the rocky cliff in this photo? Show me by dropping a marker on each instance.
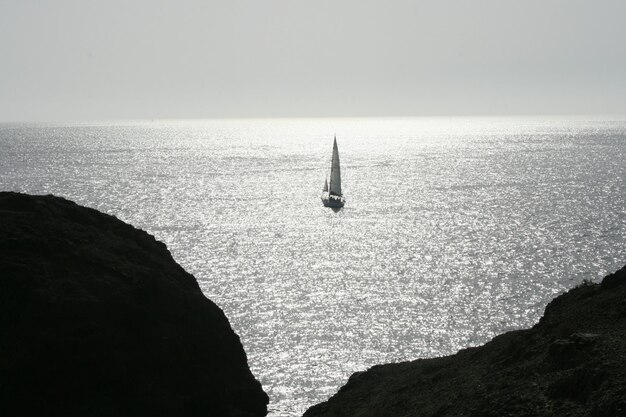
(572, 363)
(96, 319)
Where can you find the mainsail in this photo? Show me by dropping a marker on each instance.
(335, 172)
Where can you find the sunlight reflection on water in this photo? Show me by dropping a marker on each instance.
(454, 229)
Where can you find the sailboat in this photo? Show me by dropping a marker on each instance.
(331, 194)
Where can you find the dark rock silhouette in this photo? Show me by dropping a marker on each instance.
(572, 363)
(96, 319)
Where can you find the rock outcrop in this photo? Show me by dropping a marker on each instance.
(572, 363)
(97, 319)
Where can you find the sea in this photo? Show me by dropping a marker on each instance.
(454, 229)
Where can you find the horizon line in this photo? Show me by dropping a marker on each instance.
(425, 116)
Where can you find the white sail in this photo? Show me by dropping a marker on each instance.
(335, 172)
(325, 185)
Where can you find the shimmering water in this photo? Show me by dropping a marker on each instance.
(454, 229)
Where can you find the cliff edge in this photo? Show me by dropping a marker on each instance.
(572, 363)
(97, 319)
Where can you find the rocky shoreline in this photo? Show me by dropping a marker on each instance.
(571, 363)
(97, 319)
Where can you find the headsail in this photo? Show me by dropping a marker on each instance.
(325, 185)
(335, 172)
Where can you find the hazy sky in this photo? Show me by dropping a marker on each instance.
(86, 60)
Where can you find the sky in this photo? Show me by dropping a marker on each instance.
(132, 59)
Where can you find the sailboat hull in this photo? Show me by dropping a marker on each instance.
(333, 201)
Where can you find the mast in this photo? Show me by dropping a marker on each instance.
(335, 172)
